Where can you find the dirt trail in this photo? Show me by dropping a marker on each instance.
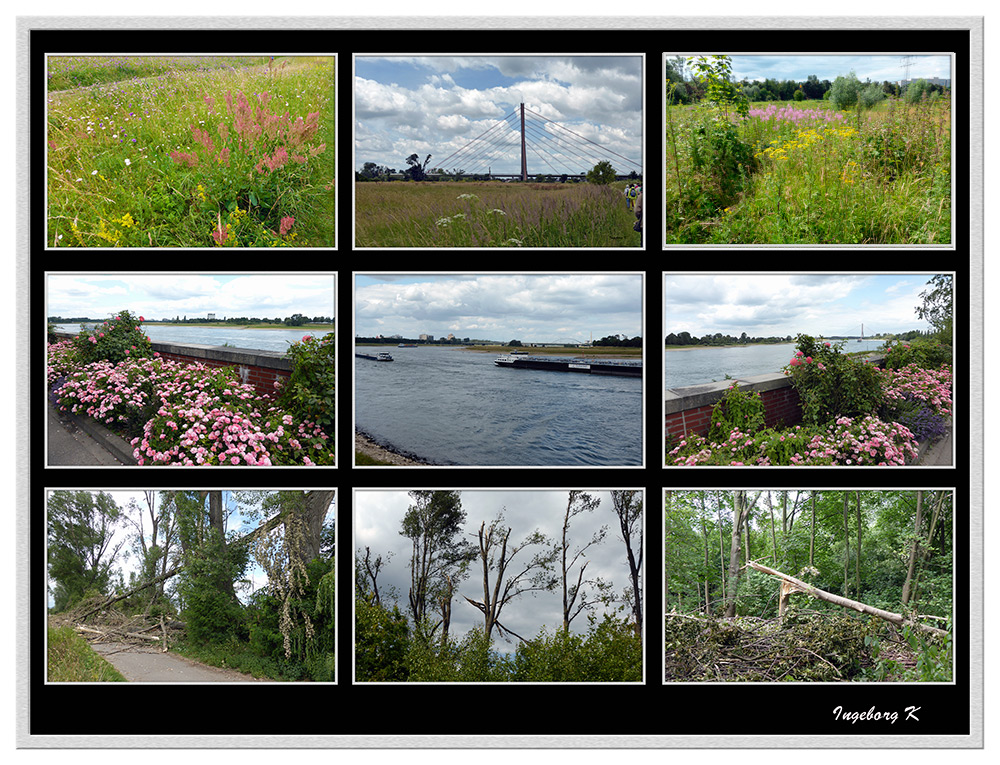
(149, 665)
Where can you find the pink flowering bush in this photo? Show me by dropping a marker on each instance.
(190, 414)
(846, 441)
(115, 340)
(930, 386)
(248, 163)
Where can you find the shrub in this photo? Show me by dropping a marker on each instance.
(845, 91)
(736, 410)
(115, 340)
(310, 392)
(190, 414)
(831, 384)
(926, 353)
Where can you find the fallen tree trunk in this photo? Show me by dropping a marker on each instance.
(265, 527)
(889, 616)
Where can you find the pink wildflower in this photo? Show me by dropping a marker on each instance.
(286, 225)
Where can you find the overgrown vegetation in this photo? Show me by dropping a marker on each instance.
(70, 660)
(189, 589)
(492, 214)
(863, 166)
(160, 152)
(887, 550)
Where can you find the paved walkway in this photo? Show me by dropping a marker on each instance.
(68, 444)
(150, 665)
(939, 453)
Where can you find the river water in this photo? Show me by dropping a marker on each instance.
(696, 366)
(455, 407)
(253, 339)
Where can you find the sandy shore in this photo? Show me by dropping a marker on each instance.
(371, 449)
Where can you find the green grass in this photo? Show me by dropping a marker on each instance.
(71, 660)
(360, 458)
(492, 214)
(173, 159)
(238, 656)
(881, 177)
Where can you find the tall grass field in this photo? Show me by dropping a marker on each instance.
(190, 152)
(805, 173)
(492, 214)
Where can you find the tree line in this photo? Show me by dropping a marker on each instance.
(412, 640)
(686, 338)
(684, 88)
(171, 555)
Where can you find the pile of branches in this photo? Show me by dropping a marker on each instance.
(97, 621)
(802, 647)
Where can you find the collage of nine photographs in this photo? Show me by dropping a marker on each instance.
(781, 496)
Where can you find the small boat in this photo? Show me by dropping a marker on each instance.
(380, 356)
(518, 353)
(407, 345)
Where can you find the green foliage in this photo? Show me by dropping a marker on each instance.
(610, 651)
(115, 340)
(715, 74)
(381, 642)
(937, 306)
(924, 352)
(310, 392)
(845, 91)
(601, 174)
(916, 91)
(70, 660)
(831, 384)
(934, 656)
(870, 96)
(736, 410)
(313, 646)
(210, 609)
(80, 553)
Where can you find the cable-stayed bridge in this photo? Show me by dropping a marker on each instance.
(547, 143)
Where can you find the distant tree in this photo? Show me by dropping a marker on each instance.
(601, 174)
(798, 95)
(628, 508)
(845, 91)
(576, 596)
(416, 169)
(514, 344)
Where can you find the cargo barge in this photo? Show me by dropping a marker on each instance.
(380, 356)
(620, 367)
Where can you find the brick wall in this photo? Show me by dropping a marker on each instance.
(257, 368)
(689, 409)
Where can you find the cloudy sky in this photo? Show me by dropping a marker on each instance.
(875, 68)
(763, 305)
(438, 104)
(378, 516)
(529, 308)
(158, 296)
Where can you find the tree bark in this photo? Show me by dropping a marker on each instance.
(914, 551)
(797, 585)
(812, 530)
(732, 582)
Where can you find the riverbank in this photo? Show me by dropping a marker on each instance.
(383, 455)
(606, 352)
(706, 347)
(306, 328)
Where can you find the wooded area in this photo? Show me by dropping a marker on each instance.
(808, 585)
(505, 564)
(169, 567)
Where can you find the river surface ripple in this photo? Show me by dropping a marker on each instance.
(455, 407)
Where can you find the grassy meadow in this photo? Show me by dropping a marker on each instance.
(492, 214)
(190, 152)
(804, 173)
